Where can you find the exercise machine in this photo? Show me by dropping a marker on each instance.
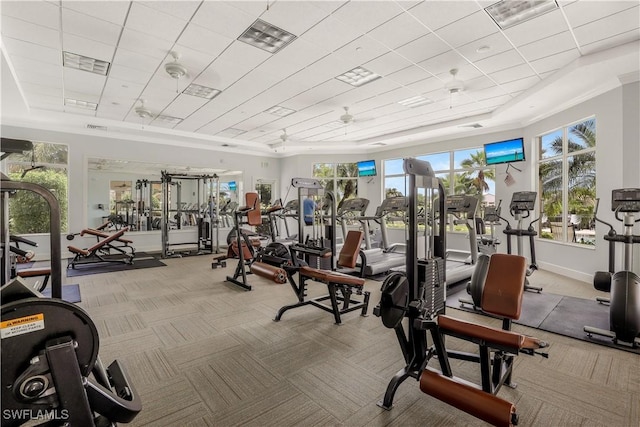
(520, 208)
(200, 213)
(460, 264)
(624, 285)
(490, 217)
(389, 256)
(351, 210)
(50, 366)
(419, 296)
(101, 252)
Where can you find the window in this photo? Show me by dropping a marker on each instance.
(567, 183)
(46, 166)
(339, 178)
(461, 172)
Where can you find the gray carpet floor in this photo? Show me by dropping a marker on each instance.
(203, 352)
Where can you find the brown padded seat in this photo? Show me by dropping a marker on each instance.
(271, 272)
(491, 335)
(329, 276)
(467, 398)
(504, 286)
(348, 256)
(33, 272)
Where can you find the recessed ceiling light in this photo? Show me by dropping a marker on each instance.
(507, 13)
(85, 63)
(201, 91)
(483, 49)
(82, 104)
(358, 76)
(267, 37)
(280, 111)
(415, 101)
(169, 119)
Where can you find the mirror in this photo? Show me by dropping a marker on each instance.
(129, 194)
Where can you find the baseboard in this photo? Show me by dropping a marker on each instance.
(567, 272)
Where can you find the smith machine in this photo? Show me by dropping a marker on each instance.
(202, 212)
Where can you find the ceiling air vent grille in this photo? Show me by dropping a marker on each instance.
(96, 127)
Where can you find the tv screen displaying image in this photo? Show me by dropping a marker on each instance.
(232, 186)
(367, 168)
(508, 151)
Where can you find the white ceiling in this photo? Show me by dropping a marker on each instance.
(529, 71)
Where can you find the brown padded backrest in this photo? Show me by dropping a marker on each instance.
(253, 214)
(504, 286)
(349, 253)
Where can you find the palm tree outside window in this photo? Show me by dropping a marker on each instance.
(567, 183)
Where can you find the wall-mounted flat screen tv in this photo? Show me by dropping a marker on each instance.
(367, 168)
(508, 151)
(232, 186)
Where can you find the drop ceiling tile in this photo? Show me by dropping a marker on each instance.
(362, 50)
(514, 73)
(534, 29)
(223, 18)
(295, 17)
(423, 48)
(296, 56)
(26, 31)
(548, 46)
(222, 74)
(555, 62)
(45, 102)
(522, 84)
(479, 83)
(496, 42)
(21, 64)
(364, 17)
(317, 94)
(203, 40)
(427, 85)
(81, 96)
(609, 26)
(184, 105)
(387, 64)
(500, 61)
(331, 34)
(90, 48)
(112, 11)
(182, 9)
(619, 39)
(83, 81)
(487, 93)
(143, 43)
(36, 12)
(244, 54)
(443, 62)
(153, 22)
(398, 31)
(195, 62)
(409, 75)
(113, 112)
(131, 75)
(121, 91)
(437, 14)
(20, 48)
(582, 12)
(89, 27)
(136, 60)
(48, 90)
(467, 29)
(39, 74)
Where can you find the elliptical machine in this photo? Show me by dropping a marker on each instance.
(521, 206)
(624, 285)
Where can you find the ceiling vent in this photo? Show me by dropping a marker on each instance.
(267, 37)
(358, 76)
(96, 127)
(507, 13)
(474, 125)
(85, 63)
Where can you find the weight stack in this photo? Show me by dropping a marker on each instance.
(432, 285)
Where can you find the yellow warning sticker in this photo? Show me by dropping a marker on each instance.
(21, 325)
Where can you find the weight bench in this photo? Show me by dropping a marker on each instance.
(125, 248)
(341, 286)
(45, 272)
(95, 254)
(501, 297)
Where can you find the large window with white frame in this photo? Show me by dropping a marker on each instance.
(461, 171)
(47, 166)
(339, 178)
(567, 183)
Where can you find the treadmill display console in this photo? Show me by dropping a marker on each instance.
(459, 203)
(625, 200)
(395, 204)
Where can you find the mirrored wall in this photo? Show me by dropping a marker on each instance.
(130, 194)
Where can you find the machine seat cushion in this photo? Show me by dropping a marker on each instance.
(77, 250)
(348, 256)
(504, 286)
(328, 276)
(509, 339)
(34, 272)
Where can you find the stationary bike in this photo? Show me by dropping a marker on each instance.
(624, 285)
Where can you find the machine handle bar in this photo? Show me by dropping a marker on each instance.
(612, 231)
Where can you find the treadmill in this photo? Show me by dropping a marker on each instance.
(388, 257)
(352, 209)
(460, 264)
